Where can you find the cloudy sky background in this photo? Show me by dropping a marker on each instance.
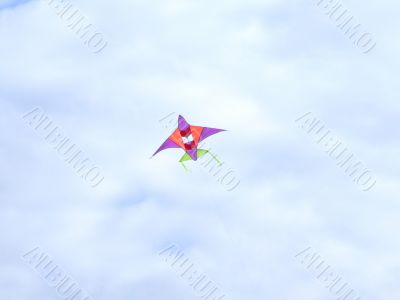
(249, 66)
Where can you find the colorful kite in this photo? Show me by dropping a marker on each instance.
(188, 137)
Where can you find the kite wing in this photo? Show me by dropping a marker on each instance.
(173, 141)
(208, 132)
(201, 133)
(166, 145)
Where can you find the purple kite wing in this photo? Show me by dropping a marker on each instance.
(206, 132)
(166, 145)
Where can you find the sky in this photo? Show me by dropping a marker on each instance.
(252, 67)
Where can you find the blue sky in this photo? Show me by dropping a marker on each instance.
(9, 4)
(251, 67)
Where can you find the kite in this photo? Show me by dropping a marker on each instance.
(188, 137)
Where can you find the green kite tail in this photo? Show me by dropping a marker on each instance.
(200, 153)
